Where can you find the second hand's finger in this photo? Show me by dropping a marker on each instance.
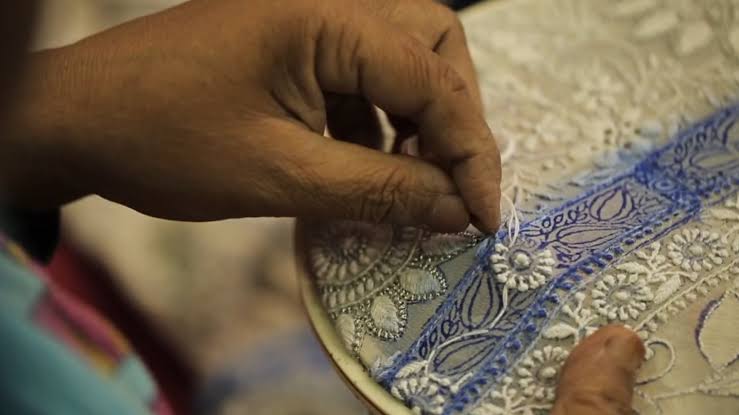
(599, 375)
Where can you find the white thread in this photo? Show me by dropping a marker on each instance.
(513, 223)
(506, 152)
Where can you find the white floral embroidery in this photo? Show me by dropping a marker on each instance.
(346, 250)
(728, 215)
(546, 131)
(572, 99)
(697, 250)
(508, 400)
(539, 371)
(417, 388)
(646, 290)
(688, 23)
(578, 321)
(621, 297)
(597, 89)
(642, 84)
(421, 391)
(368, 274)
(629, 71)
(521, 270)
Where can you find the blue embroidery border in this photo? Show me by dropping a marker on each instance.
(672, 172)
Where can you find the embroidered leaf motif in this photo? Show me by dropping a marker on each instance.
(642, 254)
(651, 254)
(411, 369)
(657, 24)
(724, 214)
(668, 288)
(633, 268)
(722, 384)
(633, 7)
(345, 326)
(419, 282)
(718, 338)
(559, 331)
(384, 313)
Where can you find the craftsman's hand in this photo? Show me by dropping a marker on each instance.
(598, 377)
(216, 109)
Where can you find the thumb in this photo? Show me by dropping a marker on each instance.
(338, 180)
(599, 375)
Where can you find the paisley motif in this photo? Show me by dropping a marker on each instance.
(620, 176)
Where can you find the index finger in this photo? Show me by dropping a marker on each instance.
(437, 27)
(367, 55)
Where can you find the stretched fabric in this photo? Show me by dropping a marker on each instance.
(618, 125)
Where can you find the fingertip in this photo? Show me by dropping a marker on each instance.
(448, 213)
(487, 213)
(487, 226)
(625, 347)
(479, 184)
(599, 374)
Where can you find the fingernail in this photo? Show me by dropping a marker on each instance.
(449, 214)
(489, 219)
(626, 349)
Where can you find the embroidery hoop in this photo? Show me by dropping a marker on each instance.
(361, 392)
(373, 395)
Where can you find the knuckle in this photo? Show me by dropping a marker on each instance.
(351, 53)
(455, 25)
(446, 15)
(446, 18)
(451, 79)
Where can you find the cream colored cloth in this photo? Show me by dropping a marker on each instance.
(578, 91)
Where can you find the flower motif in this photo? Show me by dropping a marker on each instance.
(367, 274)
(686, 21)
(621, 297)
(521, 270)
(500, 401)
(344, 251)
(421, 392)
(538, 372)
(548, 131)
(696, 250)
(597, 89)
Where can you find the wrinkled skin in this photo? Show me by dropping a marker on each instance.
(216, 109)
